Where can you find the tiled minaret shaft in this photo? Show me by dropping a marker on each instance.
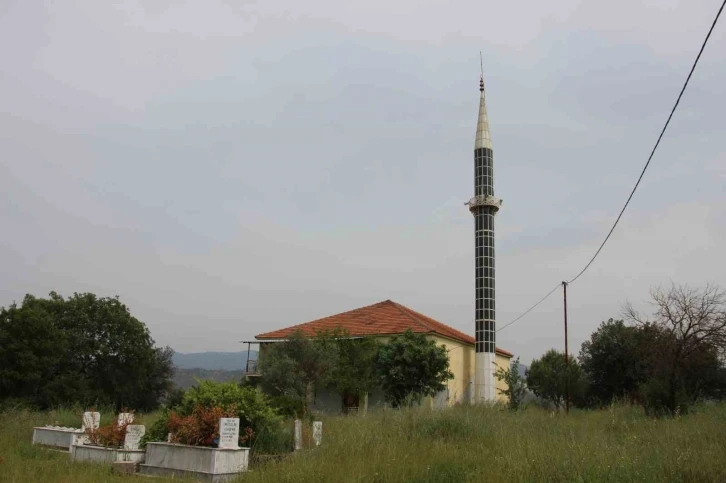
(484, 206)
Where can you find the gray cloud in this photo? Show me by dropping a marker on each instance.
(230, 168)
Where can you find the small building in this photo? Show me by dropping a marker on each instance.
(386, 319)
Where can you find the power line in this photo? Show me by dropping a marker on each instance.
(657, 143)
(698, 57)
(531, 308)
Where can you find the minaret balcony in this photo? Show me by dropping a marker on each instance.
(484, 200)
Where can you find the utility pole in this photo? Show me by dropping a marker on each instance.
(567, 356)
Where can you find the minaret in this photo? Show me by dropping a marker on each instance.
(484, 206)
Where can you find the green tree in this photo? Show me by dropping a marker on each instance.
(296, 366)
(516, 384)
(31, 348)
(354, 367)
(613, 362)
(549, 376)
(83, 349)
(410, 366)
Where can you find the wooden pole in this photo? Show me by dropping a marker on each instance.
(567, 355)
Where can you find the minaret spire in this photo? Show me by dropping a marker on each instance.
(483, 138)
(484, 206)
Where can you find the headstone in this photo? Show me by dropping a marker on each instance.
(168, 437)
(228, 433)
(91, 420)
(134, 433)
(317, 432)
(125, 418)
(298, 435)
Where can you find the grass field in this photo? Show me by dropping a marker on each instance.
(464, 444)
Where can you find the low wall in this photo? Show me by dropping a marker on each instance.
(208, 464)
(99, 454)
(58, 437)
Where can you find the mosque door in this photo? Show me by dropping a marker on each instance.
(351, 403)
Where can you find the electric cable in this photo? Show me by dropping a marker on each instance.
(530, 309)
(683, 89)
(642, 173)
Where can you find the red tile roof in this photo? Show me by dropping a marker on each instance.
(383, 318)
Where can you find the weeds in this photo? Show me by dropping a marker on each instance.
(462, 444)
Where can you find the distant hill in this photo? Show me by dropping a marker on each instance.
(186, 378)
(213, 361)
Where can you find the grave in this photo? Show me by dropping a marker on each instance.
(134, 433)
(318, 432)
(298, 435)
(129, 453)
(201, 462)
(64, 438)
(125, 418)
(101, 454)
(58, 437)
(91, 420)
(228, 433)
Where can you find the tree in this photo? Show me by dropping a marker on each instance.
(354, 368)
(296, 366)
(687, 333)
(516, 386)
(549, 377)
(410, 367)
(85, 349)
(613, 362)
(31, 347)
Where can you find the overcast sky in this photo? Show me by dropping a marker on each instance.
(232, 167)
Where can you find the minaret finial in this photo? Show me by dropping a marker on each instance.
(481, 79)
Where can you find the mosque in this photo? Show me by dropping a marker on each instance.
(473, 360)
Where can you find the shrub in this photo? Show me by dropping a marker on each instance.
(111, 435)
(657, 398)
(516, 387)
(252, 407)
(201, 427)
(287, 405)
(195, 420)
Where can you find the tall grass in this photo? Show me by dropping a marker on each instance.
(463, 444)
(473, 444)
(21, 462)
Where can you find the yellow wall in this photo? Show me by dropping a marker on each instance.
(461, 363)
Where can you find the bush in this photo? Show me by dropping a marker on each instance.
(657, 398)
(111, 435)
(174, 397)
(201, 427)
(195, 419)
(287, 405)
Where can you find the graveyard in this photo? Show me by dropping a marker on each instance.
(616, 444)
(216, 455)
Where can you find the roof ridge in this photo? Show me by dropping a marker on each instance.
(407, 312)
(326, 317)
(438, 326)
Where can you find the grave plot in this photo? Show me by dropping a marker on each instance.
(63, 438)
(205, 463)
(111, 449)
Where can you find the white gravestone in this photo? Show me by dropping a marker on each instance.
(134, 433)
(228, 433)
(91, 421)
(125, 418)
(318, 432)
(298, 435)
